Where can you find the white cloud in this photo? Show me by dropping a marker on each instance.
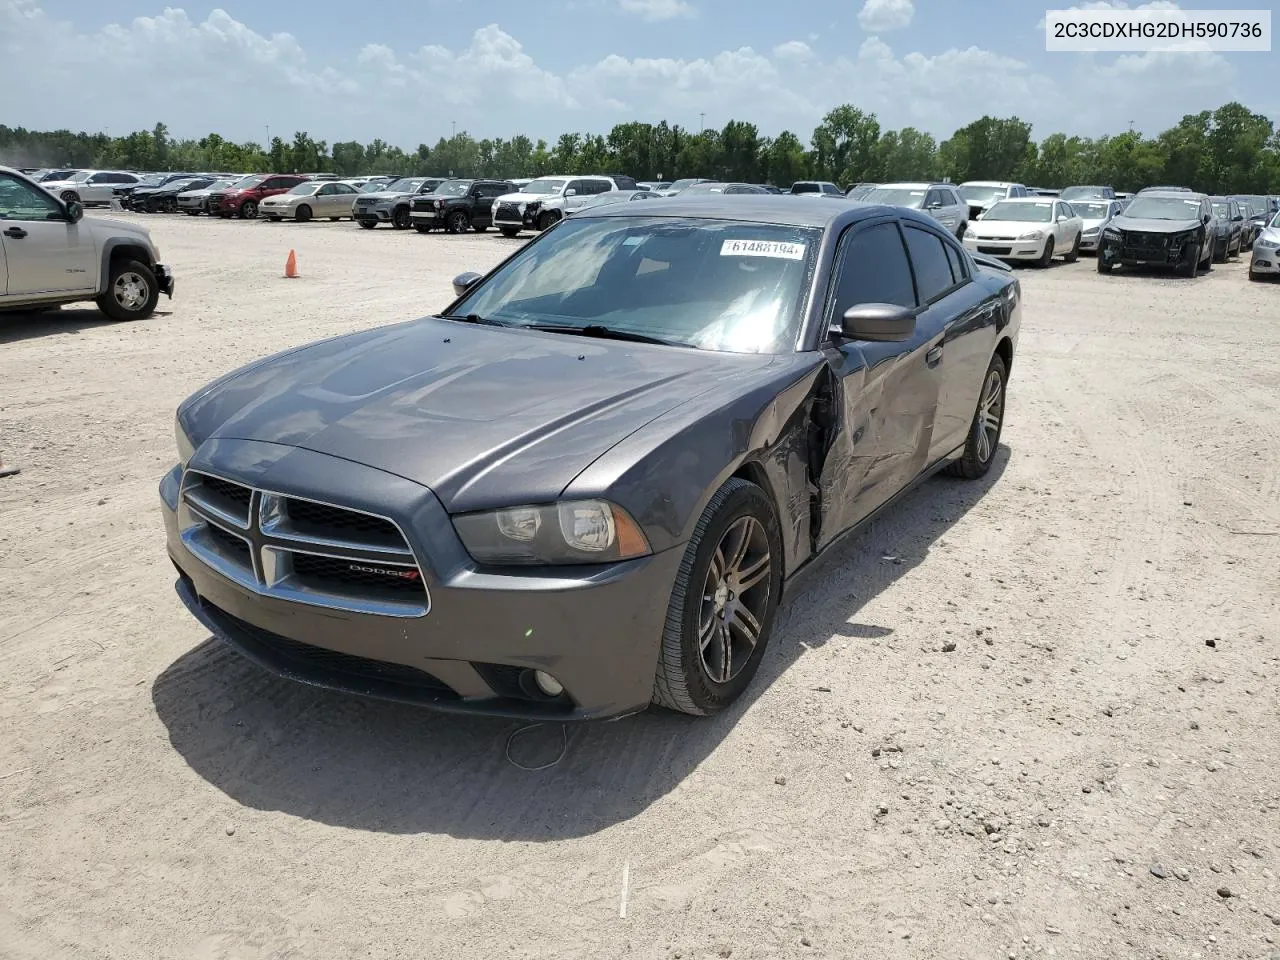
(657, 10)
(221, 75)
(881, 16)
(795, 50)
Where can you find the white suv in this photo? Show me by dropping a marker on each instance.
(91, 186)
(548, 200)
(49, 255)
(940, 200)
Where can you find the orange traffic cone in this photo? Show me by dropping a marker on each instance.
(7, 471)
(291, 266)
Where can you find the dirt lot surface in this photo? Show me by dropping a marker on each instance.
(1033, 716)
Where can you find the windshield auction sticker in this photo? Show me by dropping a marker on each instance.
(777, 249)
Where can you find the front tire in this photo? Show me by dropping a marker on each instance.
(193, 213)
(722, 604)
(1074, 255)
(366, 225)
(1046, 258)
(249, 210)
(548, 220)
(1192, 266)
(401, 219)
(303, 214)
(988, 423)
(422, 228)
(132, 291)
(509, 232)
(1103, 265)
(458, 222)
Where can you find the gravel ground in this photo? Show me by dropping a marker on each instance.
(1033, 716)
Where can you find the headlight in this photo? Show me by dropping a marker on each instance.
(1113, 233)
(1033, 235)
(1091, 231)
(439, 204)
(185, 447)
(575, 531)
(1268, 244)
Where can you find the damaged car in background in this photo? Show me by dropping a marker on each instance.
(581, 488)
(1160, 228)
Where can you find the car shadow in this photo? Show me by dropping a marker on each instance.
(272, 744)
(27, 325)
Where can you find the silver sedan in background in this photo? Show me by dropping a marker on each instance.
(1095, 215)
(618, 196)
(314, 198)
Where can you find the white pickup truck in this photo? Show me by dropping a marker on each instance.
(50, 255)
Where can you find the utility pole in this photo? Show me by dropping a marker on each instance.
(1131, 126)
(268, 126)
(702, 122)
(455, 129)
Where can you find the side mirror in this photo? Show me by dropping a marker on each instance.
(1237, 218)
(571, 192)
(876, 322)
(75, 211)
(1204, 219)
(464, 282)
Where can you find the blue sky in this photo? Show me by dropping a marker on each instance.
(404, 69)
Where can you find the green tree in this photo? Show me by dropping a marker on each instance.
(844, 145)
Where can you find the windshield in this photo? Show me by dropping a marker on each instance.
(982, 195)
(1091, 211)
(372, 187)
(1163, 208)
(1222, 209)
(705, 188)
(219, 184)
(249, 182)
(1083, 192)
(897, 196)
(709, 284)
(684, 184)
(544, 186)
(403, 185)
(805, 188)
(862, 192)
(1036, 211)
(306, 189)
(454, 188)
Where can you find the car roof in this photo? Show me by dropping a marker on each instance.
(1174, 194)
(988, 183)
(771, 208)
(1034, 200)
(913, 184)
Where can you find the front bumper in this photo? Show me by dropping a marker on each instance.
(1146, 250)
(1005, 249)
(372, 214)
(1265, 260)
(597, 630)
(164, 277)
(1090, 243)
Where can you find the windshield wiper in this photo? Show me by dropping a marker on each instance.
(604, 333)
(474, 318)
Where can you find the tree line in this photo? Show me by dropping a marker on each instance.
(1228, 150)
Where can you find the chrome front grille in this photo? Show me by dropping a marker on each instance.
(301, 550)
(508, 211)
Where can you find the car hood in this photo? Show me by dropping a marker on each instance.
(384, 196)
(117, 227)
(279, 199)
(1013, 228)
(483, 416)
(202, 192)
(1153, 226)
(526, 197)
(1270, 235)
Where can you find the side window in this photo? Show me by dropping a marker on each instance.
(344, 188)
(959, 271)
(599, 186)
(874, 269)
(932, 197)
(328, 190)
(270, 183)
(950, 197)
(626, 183)
(578, 186)
(929, 258)
(19, 201)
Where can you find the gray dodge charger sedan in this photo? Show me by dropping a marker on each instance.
(582, 487)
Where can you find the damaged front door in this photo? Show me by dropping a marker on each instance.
(883, 396)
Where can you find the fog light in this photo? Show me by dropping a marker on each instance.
(547, 683)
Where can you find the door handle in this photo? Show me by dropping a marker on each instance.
(934, 356)
(16, 232)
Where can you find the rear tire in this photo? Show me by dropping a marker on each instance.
(193, 213)
(132, 291)
(303, 214)
(987, 425)
(703, 676)
(421, 228)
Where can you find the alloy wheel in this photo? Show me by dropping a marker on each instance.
(735, 599)
(990, 415)
(130, 290)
